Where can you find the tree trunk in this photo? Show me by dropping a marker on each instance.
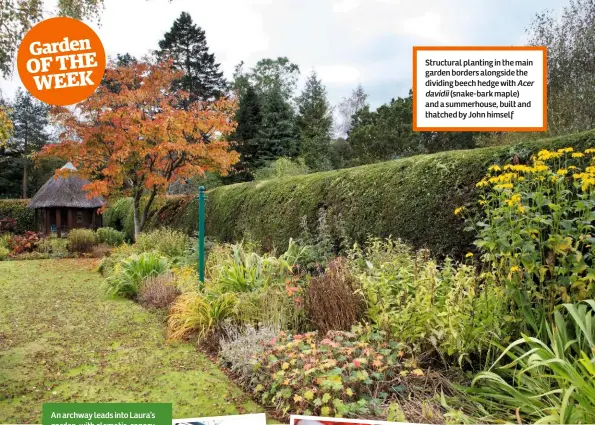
(25, 180)
(137, 223)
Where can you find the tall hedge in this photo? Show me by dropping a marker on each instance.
(411, 198)
(17, 209)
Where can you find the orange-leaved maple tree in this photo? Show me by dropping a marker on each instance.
(132, 137)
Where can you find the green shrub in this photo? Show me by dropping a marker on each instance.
(4, 253)
(17, 209)
(54, 247)
(171, 243)
(545, 381)
(446, 308)
(5, 240)
(119, 216)
(129, 274)
(110, 236)
(411, 198)
(81, 241)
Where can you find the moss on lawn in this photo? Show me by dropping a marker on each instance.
(61, 340)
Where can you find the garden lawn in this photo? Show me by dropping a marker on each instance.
(61, 340)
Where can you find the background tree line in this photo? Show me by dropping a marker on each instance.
(281, 131)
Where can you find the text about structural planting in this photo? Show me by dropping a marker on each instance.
(479, 89)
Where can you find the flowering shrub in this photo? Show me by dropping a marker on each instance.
(345, 374)
(536, 231)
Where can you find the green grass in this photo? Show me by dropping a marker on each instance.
(61, 340)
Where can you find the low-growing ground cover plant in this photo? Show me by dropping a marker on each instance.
(241, 345)
(345, 374)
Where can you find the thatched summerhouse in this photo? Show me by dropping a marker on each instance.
(62, 204)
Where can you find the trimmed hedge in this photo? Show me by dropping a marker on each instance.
(412, 198)
(17, 209)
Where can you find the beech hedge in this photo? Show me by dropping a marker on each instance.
(17, 209)
(411, 198)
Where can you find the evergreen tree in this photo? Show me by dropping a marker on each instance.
(186, 44)
(30, 119)
(278, 135)
(315, 124)
(249, 119)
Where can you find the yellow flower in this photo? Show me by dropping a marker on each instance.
(482, 202)
(521, 209)
(504, 186)
(588, 183)
(590, 150)
(572, 167)
(494, 168)
(578, 155)
(482, 183)
(469, 255)
(459, 210)
(514, 269)
(562, 172)
(565, 150)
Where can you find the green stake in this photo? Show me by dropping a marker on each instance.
(201, 234)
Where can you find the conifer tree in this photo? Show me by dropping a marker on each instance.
(278, 135)
(30, 119)
(249, 119)
(186, 44)
(315, 124)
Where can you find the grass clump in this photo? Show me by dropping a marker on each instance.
(158, 292)
(128, 275)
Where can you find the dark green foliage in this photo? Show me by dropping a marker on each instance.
(17, 209)
(119, 216)
(412, 198)
(186, 44)
(30, 119)
(387, 133)
(278, 133)
(249, 119)
(315, 122)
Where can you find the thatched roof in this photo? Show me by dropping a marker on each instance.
(65, 192)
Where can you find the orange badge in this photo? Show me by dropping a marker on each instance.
(61, 61)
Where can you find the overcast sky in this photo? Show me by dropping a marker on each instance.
(346, 41)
